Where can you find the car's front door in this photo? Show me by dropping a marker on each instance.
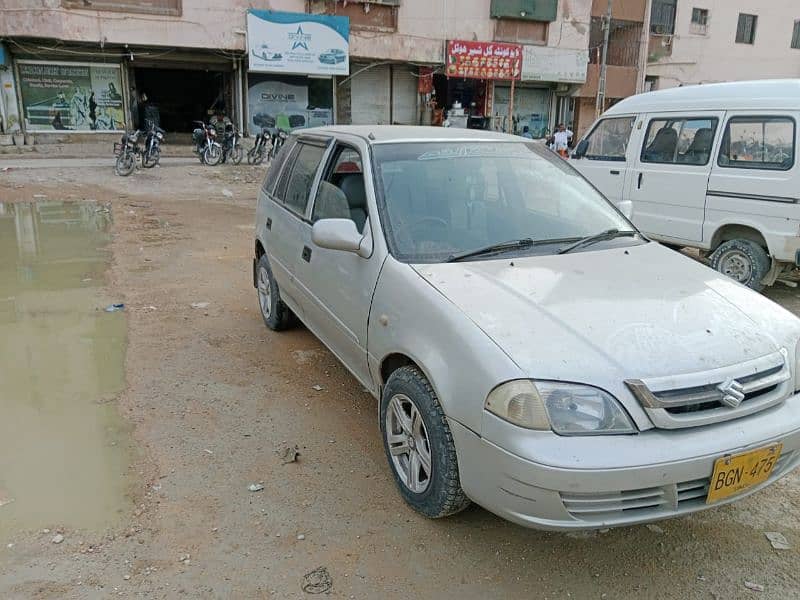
(668, 182)
(604, 162)
(336, 287)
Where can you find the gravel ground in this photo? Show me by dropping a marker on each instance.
(213, 397)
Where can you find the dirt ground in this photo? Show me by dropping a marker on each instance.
(212, 396)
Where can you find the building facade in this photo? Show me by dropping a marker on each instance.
(73, 66)
(705, 41)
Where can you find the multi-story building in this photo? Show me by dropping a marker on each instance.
(70, 66)
(704, 41)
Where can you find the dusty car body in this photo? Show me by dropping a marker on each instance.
(566, 382)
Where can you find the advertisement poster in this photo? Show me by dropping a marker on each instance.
(540, 63)
(71, 96)
(484, 60)
(298, 43)
(280, 105)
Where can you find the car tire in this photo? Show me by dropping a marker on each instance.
(429, 482)
(742, 260)
(275, 313)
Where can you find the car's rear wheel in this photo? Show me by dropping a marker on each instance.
(742, 260)
(419, 445)
(275, 313)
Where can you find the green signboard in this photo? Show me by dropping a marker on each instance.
(71, 96)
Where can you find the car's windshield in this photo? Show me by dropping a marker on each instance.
(440, 199)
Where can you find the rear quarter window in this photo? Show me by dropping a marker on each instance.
(274, 171)
(758, 142)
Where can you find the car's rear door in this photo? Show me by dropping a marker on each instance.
(336, 287)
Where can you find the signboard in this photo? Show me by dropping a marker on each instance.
(299, 43)
(484, 60)
(279, 104)
(71, 96)
(540, 63)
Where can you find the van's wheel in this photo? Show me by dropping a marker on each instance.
(275, 313)
(742, 260)
(419, 445)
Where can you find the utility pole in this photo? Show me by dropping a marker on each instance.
(600, 103)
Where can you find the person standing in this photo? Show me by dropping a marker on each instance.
(561, 140)
(526, 132)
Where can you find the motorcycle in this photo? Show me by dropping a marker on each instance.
(231, 148)
(151, 154)
(259, 151)
(126, 152)
(279, 137)
(205, 144)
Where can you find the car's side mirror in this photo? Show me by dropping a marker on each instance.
(339, 234)
(580, 149)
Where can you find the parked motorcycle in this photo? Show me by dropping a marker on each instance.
(205, 144)
(126, 152)
(279, 137)
(151, 154)
(231, 146)
(262, 146)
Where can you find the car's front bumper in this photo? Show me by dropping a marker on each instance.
(611, 481)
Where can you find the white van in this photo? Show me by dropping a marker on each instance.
(712, 167)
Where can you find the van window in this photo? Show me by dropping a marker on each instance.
(758, 143)
(684, 140)
(303, 171)
(609, 139)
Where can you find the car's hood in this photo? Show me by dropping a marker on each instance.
(637, 312)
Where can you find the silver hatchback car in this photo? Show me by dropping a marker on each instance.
(530, 349)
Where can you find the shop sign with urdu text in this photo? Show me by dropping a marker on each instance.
(484, 60)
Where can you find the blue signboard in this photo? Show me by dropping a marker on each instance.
(281, 42)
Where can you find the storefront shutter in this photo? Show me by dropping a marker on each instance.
(404, 95)
(369, 101)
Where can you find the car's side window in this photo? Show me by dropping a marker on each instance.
(684, 140)
(305, 167)
(609, 139)
(274, 171)
(758, 143)
(342, 194)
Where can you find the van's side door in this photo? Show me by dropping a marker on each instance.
(287, 212)
(667, 184)
(604, 163)
(754, 179)
(336, 287)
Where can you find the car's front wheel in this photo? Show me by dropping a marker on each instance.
(419, 445)
(275, 313)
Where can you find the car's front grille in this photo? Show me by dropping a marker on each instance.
(714, 396)
(605, 507)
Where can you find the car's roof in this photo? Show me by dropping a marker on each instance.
(759, 94)
(381, 134)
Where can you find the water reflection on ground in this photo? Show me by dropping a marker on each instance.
(64, 449)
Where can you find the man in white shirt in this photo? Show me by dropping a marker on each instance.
(561, 140)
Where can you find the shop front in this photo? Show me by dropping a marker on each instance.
(293, 59)
(379, 94)
(472, 71)
(544, 95)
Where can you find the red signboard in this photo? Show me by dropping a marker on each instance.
(484, 60)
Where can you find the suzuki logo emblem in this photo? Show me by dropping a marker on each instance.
(732, 392)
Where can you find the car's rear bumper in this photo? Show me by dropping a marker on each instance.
(635, 487)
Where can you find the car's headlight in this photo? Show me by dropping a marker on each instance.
(566, 408)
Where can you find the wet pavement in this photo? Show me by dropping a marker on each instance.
(64, 449)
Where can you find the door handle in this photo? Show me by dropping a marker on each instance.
(269, 223)
(614, 172)
(639, 181)
(306, 255)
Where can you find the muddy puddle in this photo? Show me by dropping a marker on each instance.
(64, 449)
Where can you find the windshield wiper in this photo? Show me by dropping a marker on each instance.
(608, 234)
(491, 249)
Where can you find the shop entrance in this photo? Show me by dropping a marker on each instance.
(176, 97)
(470, 93)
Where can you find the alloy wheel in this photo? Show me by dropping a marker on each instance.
(264, 292)
(409, 446)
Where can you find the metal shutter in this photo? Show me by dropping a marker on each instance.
(369, 100)
(404, 95)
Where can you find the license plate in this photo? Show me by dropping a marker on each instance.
(737, 472)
